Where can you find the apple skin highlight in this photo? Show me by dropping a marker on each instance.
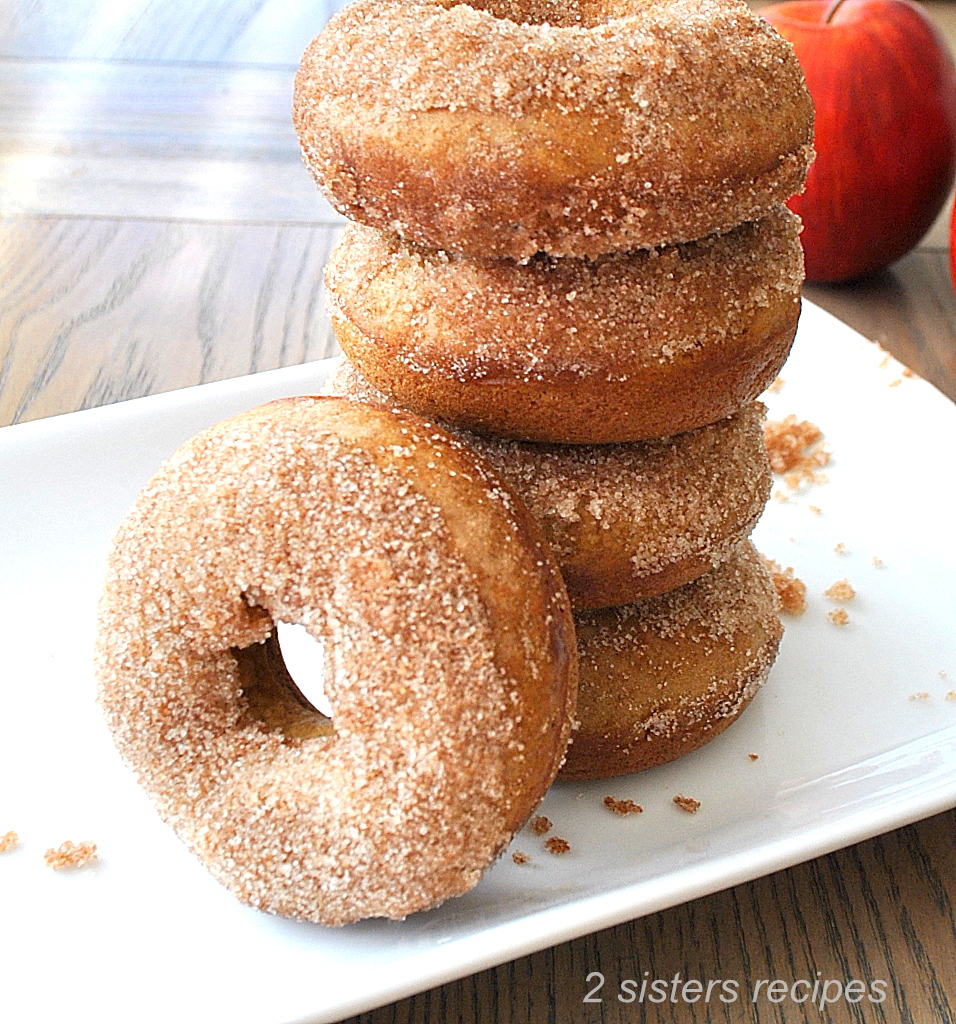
(884, 85)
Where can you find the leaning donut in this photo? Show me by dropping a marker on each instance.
(574, 127)
(624, 347)
(627, 521)
(664, 676)
(449, 649)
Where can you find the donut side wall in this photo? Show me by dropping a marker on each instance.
(695, 390)
(662, 677)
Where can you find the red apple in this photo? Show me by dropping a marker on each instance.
(884, 86)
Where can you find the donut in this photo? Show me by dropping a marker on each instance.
(625, 347)
(627, 521)
(661, 677)
(449, 645)
(573, 127)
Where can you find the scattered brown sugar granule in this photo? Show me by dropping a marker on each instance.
(70, 855)
(687, 803)
(896, 383)
(815, 509)
(622, 807)
(838, 617)
(796, 451)
(787, 440)
(877, 562)
(540, 824)
(922, 695)
(8, 841)
(557, 846)
(840, 549)
(840, 591)
(951, 695)
(520, 858)
(776, 385)
(910, 374)
(791, 591)
(753, 757)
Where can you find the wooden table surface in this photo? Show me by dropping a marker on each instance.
(157, 230)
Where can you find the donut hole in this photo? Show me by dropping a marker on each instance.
(304, 658)
(282, 681)
(556, 13)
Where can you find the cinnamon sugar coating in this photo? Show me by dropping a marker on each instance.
(70, 855)
(662, 677)
(449, 648)
(627, 521)
(620, 348)
(573, 127)
(797, 451)
(791, 591)
(622, 807)
(841, 591)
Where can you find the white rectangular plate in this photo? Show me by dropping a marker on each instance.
(846, 747)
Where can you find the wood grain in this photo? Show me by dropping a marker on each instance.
(96, 311)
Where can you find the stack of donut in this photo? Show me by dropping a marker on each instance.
(568, 248)
(568, 243)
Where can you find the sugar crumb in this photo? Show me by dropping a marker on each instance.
(896, 383)
(838, 617)
(70, 855)
(780, 496)
(540, 824)
(9, 841)
(753, 757)
(910, 374)
(877, 562)
(776, 386)
(840, 591)
(622, 807)
(950, 695)
(922, 695)
(520, 858)
(942, 673)
(557, 846)
(796, 451)
(815, 509)
(840, 548)
(791, 591)
(687, 803)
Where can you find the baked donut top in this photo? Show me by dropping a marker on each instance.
(650, 60)
(556, 13)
